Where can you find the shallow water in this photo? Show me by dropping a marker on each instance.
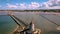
(7, 25)
(39, 21)
(54, 18)
(53, 32)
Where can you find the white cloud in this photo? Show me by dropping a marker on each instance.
(0, 6)
(50, 4)
(33, 5)
(22, 6)
(16, 6)
(54, 7)
(11, 6)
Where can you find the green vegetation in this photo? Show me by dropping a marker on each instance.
(33, 10)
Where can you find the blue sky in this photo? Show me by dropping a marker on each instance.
(29, 4)
(19, 1)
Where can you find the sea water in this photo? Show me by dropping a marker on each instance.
(7, 24)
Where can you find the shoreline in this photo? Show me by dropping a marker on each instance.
(15, 29)
(18, 28)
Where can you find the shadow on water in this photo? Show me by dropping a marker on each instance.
(53, 32)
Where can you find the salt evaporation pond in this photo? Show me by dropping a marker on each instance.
(7, 24)
(39, 21)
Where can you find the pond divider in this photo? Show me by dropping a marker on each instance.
(14, 19)
(18, 21)
(50, 20)
(20, 26)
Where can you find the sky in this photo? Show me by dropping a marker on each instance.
(29, 4)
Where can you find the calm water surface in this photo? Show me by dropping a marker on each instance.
(39, 21)
(7, 25)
